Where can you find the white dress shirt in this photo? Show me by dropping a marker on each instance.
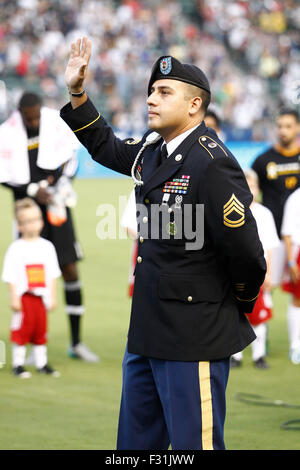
(174, 143)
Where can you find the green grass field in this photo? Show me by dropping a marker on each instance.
(79, 410)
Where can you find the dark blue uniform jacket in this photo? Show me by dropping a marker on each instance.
(191, 293)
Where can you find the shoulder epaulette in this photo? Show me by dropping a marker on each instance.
(213, 147)
(133, 141)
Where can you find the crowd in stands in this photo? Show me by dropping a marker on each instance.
(250, 52)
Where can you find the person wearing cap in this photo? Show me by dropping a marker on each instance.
(200, 263)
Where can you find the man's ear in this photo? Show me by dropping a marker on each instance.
(196, 104)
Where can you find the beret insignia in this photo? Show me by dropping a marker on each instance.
(165, 65)
(171, 68)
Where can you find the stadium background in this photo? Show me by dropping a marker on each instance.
(251, 54)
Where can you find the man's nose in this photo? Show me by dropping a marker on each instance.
(151, 99)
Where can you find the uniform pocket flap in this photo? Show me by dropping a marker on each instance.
(190, 288)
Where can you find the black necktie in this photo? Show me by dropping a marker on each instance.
(163, 153)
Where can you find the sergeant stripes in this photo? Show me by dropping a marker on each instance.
(233, 205)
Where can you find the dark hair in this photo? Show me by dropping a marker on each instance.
(290, 111)
(213, 115)
(29, 99)
(193, 90)
(205, 95)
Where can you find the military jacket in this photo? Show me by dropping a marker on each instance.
(200, 263)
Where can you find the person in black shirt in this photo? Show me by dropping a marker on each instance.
(62, 235)
(278, 170)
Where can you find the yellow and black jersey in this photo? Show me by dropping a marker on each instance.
(279, 175)
(36, 173)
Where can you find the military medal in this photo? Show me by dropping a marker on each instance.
(165, 198)
(171, 228)
(177, 185)
(178, 201)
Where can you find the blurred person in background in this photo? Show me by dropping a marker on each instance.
(30, 269)
(290, 232)
(129, 222)
(212, 120)
(253, 53)
(278, 171)
(262, 311)
(38, 160)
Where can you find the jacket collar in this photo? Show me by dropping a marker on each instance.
(172, 164)
(174, 143)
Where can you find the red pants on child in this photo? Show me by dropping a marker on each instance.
(31, 324)
(262, 312)
(289, 286)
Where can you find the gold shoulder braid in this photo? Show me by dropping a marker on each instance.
(208, 143)
(132, 141)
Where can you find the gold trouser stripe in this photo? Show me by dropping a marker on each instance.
(206, 406)
(87, 125)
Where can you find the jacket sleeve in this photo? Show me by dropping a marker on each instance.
(233, 229)
(99, 139)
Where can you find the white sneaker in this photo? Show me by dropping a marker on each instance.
(20, 372)
(81, 351)
(48, 370)
(295, 355)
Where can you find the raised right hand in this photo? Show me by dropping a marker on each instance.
(78, 63)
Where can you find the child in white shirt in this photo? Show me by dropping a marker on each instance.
(262, 311)
(290, 232)
(30, 269)
(129, 222)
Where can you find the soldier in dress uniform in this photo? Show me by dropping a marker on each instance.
(198, 271)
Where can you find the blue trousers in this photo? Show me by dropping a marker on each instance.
(165, 403)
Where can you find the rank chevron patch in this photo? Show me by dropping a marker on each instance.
(234, 213)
